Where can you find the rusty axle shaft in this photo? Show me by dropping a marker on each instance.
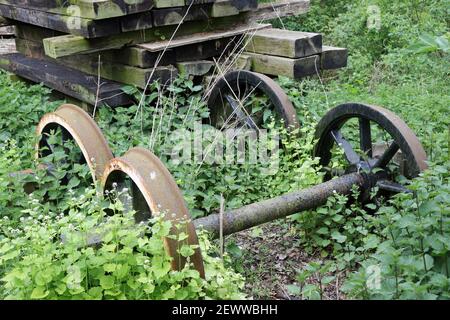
(269, 210)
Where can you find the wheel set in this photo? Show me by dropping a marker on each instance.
(370, 146)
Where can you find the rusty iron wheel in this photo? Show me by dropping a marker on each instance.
(403, 143)
(229, 101)
(77, 125)
(154, 192)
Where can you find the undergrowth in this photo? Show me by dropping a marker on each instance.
(393, 249)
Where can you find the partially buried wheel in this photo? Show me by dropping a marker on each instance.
(154, 192)
(243, 98)
(76, 126)
(372, 139)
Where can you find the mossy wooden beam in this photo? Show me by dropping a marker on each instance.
(195, 68)
(30, 48)
(79, 26)
(7, 31)
(122, 73)
(243, 62)
(137, 21)
(285, 43)
(138, 57)
(89, 9)
(333, 58)
(278, 9)
(200, 11)
(240, 5)
(223, 8)
(69, 44)
(281, 66)
(173, 16)
(168, 3)
(65, 80)
(4, 21)
(35, 33)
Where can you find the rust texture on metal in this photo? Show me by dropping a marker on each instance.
(403, 138)
(279, 207)
(162, 196)
(84, 131)
(240, 84)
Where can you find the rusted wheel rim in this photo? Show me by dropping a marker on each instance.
(160, 193)
(228, 88)
(404, 140)
(84, 131)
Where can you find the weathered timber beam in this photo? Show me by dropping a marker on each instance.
(285, 43)
(7, 46)
(80, 26)
(281, 9)
(7, 31)
(333, 58)
(280, 66)
(66, 80)
(269, 210)
(90, 9)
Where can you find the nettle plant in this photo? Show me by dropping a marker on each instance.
(47, 257)
(399, 249)
(412, 259)
(44, 252)
(22, 107)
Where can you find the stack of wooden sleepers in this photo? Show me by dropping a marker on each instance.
(88, 49)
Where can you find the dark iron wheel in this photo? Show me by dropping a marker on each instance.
(240, 98)
(400, 152)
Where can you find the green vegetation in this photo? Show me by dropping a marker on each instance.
(389, 249)
(401, 63)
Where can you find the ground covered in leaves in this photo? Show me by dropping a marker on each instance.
(270, 257)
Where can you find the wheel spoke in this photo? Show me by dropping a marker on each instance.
(392, 187)
(352, 157)
(387, 156)
(237, 109)
(365, 136)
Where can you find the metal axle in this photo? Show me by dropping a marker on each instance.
(269, 210)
